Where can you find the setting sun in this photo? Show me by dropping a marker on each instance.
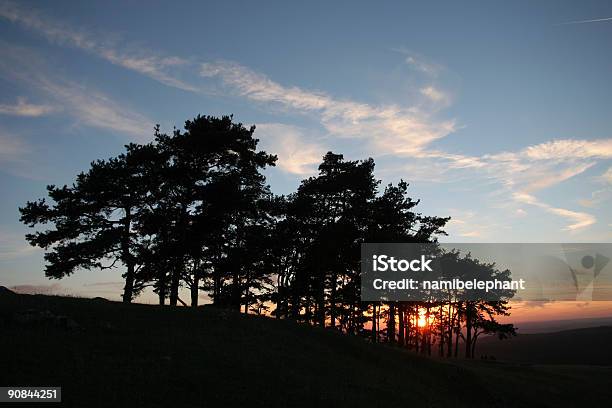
(422, 321)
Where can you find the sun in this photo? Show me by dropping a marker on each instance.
(422, 321)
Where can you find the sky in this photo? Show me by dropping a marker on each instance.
(496, 113)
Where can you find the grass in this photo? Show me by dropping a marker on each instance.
(588, 346)
(152, 356)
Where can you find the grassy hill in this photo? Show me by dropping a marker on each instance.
(108, 354)
(552, 326)
(589, 346)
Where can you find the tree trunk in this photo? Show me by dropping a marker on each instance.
(178, 266)
(428, 331)
(400, 316)
(391, 324)
(451, 318)
(374, 318)
(332, 301)
(195, 289)
(174, 285)
(217, 279)
(320, 311)
(417, 331)
(162, 295)
(295, 303)
(468, 331)
(128, 289)
(458, 330)
(474, 346)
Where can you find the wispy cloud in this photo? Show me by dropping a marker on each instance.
(158, 67)
(409, 132)
(296, 155)
(607, 176)
(435, 95)
(570, 149)
(93, 108)
(463, 228)
(381, 130)
(600, 195)
(532, 169)
(23, 108)
(14, 246)
(43, 289)
(86, 105)
(387, 129)
(11, 147)
(420, 63)
(471, 224)
(596, 20)
(112, 284)
(16, 158)
(578, 220)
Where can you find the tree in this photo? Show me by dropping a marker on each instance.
(393, 219)
(93, 220)
(192, 209)
(324, 223)
(211, 188)
(328, 214)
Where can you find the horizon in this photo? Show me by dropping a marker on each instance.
(497, 118)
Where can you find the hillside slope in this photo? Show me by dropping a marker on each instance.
(109, 354)
(589, 346)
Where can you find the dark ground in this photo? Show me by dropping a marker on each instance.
(589, 346)
(106, 354)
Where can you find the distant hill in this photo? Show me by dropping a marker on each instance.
(109, 354)
(560, 325)
(579, 346)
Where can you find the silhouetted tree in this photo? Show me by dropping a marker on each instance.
(192, 209)
(210, 188)
(93, 220)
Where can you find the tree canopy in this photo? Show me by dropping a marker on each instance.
(192, 209)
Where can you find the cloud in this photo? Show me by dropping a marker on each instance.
(117, 284)
(538, 304)
(596, 20)
(539, 166)
(87, 105)
(607, 176)
(295, 154)
(16, 159)
(391, 130)
(14, 246)
(570, 148)
(11, 148)
(420, 63)
(50, 289)
(543, 177)
(600, 195)
(23, 108)
(387, 129)
(468, 224)
(435, 95)
(134, 58)
(544, 165)
(578, 220)
(94, 108)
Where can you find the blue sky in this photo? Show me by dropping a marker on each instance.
(497, 113)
